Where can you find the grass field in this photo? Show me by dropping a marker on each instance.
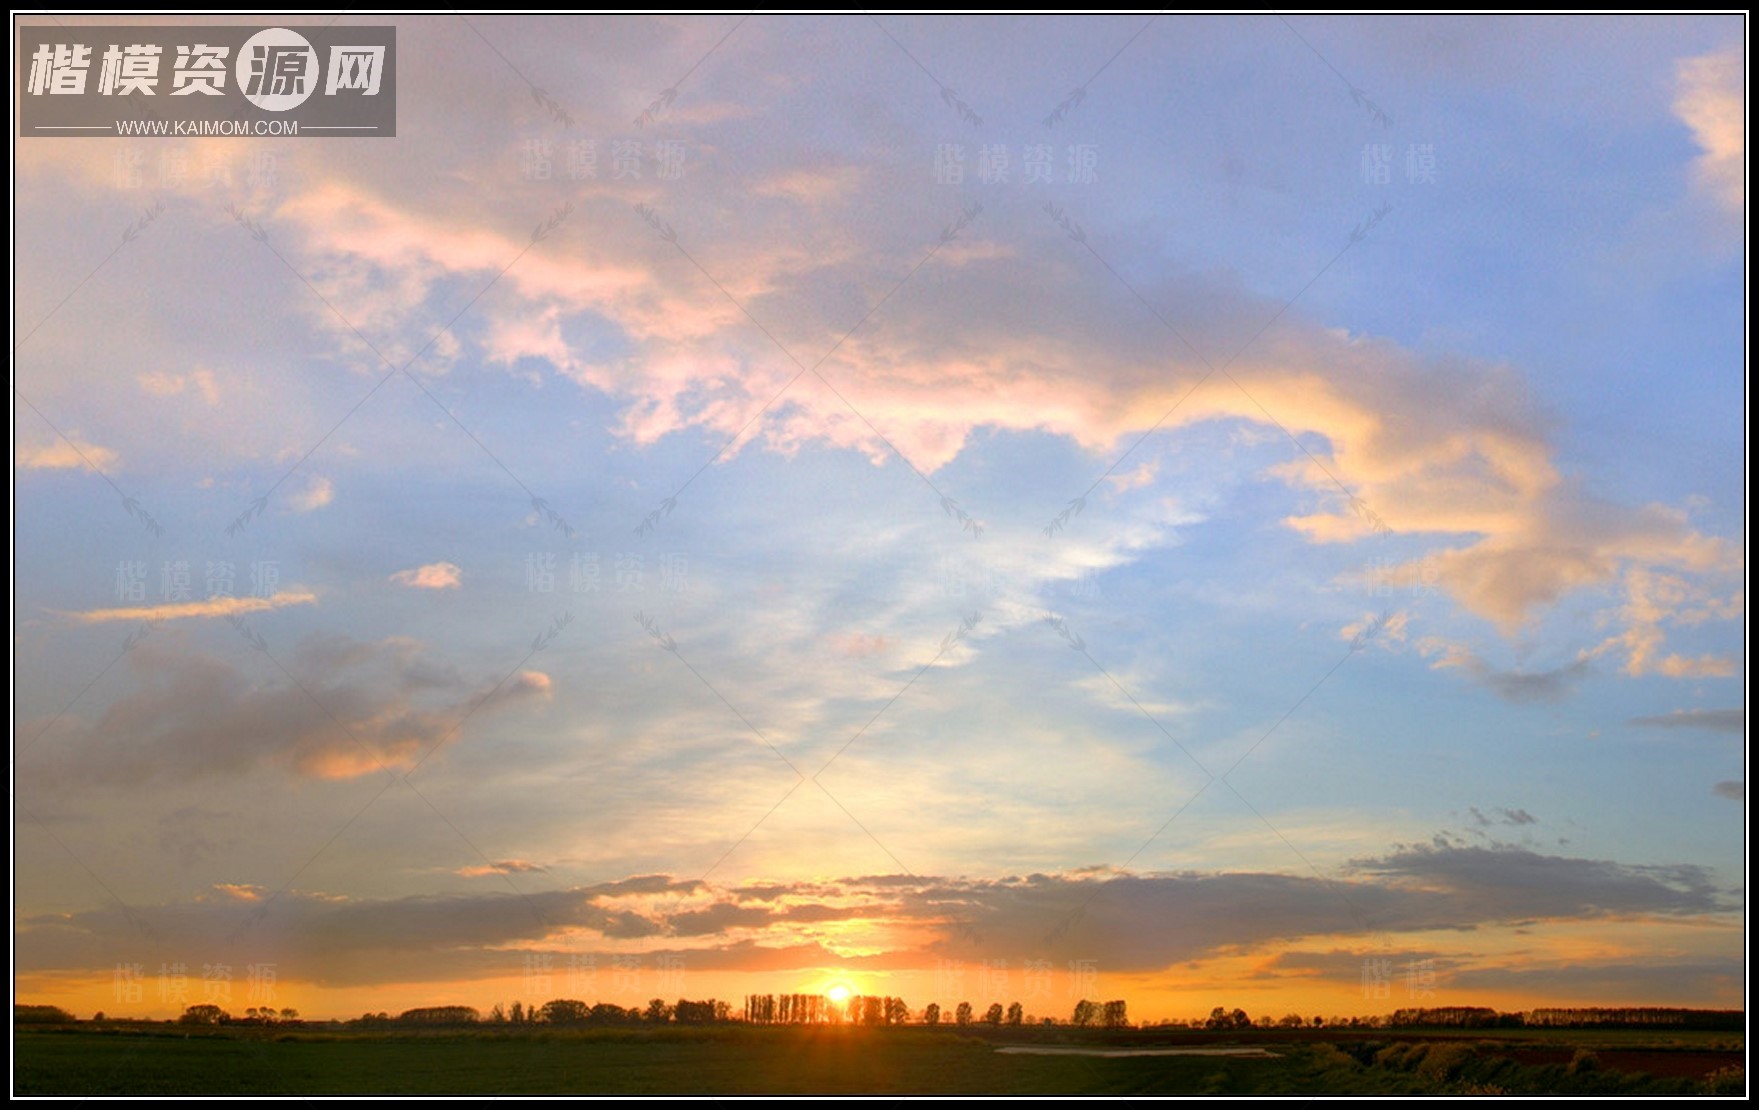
(166, 1059)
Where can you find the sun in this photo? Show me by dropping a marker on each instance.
(839, 993)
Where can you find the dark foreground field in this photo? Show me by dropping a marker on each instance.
(165, 1059)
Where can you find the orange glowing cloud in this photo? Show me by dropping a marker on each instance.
(433, 576)
(212, 607)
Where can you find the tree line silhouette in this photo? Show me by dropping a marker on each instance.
(758, 1009)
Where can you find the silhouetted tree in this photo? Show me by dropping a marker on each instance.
(609, 1013)
(204, 1013)
(49, 1015)
(1220, 1018)
(565, 1011)
(1016, 1013)
(993, 1015)
(932, 1015)
(962, 1014)
(438, 1015)
(1086, 1013)
(1115, 1015)
(687, 1012)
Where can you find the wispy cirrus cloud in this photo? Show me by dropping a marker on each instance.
(1713, 720)
(186, 610)
(498, 867)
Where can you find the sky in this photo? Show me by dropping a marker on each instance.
(1236, 510)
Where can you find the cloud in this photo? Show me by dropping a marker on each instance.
(1142, 922)
(1459, 451)
(1692, 980)
(1710, 98)
(1704, 666)
(815, 185)
(1730, 788)
(318, 492)
(1653, 600)
(498, 867)
(1582, 975)
(1134, 478)
(1520, 687)
(857, 645)
(349, 709)
(1716, 720)
(1454, 449)
(212, 607)
(1517, 883)
(1129, 692)
(161, 383)
(1503, 816)
(433, 576)
(535, 681)
(1384, 628)
(64, 454)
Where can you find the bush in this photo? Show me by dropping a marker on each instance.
(205, 1013)
(1731, 1080)
(1329, 1057)
(40, 1015)
(1444, 1062)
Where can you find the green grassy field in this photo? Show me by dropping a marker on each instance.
(836, 1060)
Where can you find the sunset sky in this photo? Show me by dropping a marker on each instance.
(1229, 510)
